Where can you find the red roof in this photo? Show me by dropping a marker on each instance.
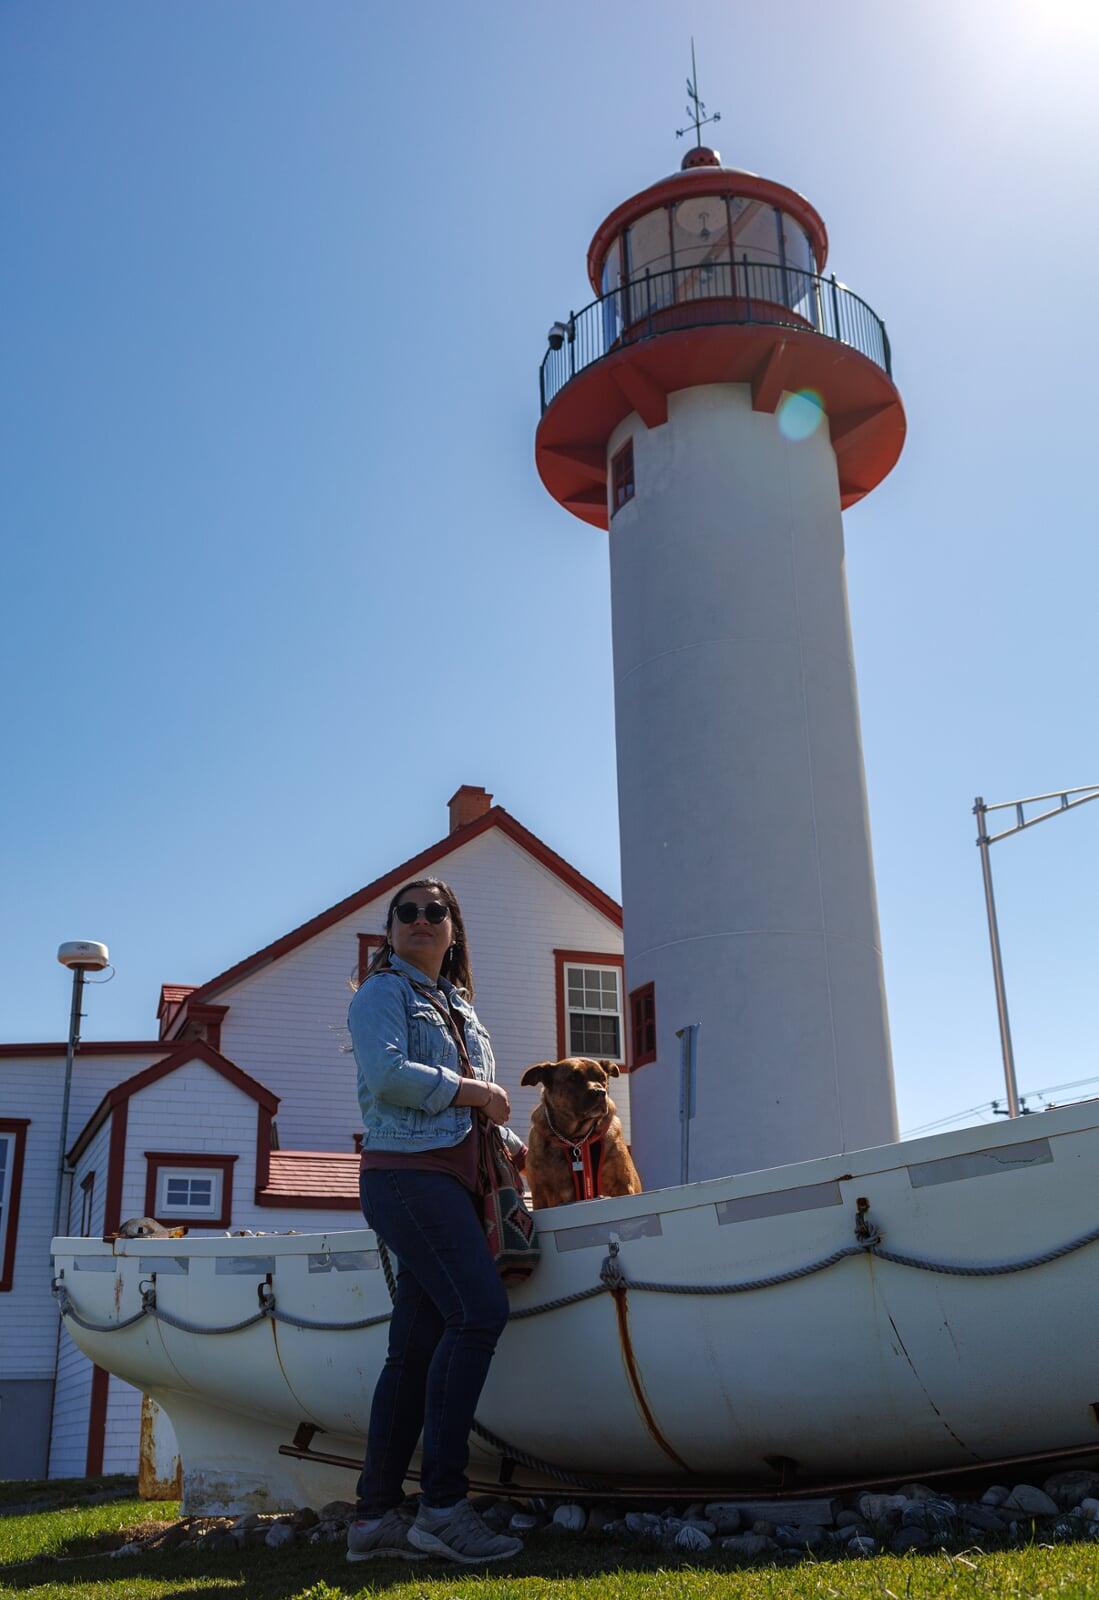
(318, 1178)
(496, 817)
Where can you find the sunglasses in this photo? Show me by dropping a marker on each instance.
(408, 911)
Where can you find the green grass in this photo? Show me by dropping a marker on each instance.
(58, 1555)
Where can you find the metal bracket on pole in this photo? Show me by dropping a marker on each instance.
(985, 841)
(688, 1061)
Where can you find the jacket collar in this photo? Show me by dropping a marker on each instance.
(414, 975)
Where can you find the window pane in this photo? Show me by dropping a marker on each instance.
(594, 1036)
(177, 1191)
(201, 1191)
(700, 232)
(755, 231)
(649, 252)
(649, 244)
(610, 268)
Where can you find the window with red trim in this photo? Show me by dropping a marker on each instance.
(87, 1195)
(13, 1144)
(643, 1025)
(189, 1188)
(622, 476)
(368, 944)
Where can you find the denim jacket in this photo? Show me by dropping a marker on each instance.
(408, 1064)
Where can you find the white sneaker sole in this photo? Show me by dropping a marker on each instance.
(386, 1554)
(432, 1545)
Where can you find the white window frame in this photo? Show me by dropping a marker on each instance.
(216, 1178)
(571, 1010)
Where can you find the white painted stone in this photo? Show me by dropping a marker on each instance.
(1032, 1501)
(690, 1537)
(574, 1518)
(746, 867)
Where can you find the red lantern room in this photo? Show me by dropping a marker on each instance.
(713, 275)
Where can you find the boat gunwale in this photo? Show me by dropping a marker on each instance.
(844, 1167)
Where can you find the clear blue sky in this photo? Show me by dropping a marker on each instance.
(279, 573)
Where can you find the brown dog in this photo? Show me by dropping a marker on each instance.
(576, 1149)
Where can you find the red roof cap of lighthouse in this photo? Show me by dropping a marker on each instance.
(705, 175)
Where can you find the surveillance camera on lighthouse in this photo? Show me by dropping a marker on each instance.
(714, 409)
(84, 954)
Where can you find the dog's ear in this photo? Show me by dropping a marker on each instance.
(537, 1074)
(610, 1068)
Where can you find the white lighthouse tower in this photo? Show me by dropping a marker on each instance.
(715, 409)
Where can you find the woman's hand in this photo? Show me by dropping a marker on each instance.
(491, 1098)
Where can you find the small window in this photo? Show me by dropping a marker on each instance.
(593, 1008)
(87, 1193)
(621, 476)
(194, 1192)
(189, 1187)
(643, 1025)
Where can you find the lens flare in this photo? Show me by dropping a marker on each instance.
(800, 414)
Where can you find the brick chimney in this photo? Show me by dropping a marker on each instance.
(467, 804)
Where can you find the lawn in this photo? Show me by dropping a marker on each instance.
(57, 1553)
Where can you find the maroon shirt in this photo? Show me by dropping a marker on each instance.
(456, 1160)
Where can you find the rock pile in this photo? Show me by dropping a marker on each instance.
(916, 1517)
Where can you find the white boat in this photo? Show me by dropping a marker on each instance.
(860, 1368)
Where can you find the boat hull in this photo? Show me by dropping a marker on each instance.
(863, 1370)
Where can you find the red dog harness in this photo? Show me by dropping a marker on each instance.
(585, 1156)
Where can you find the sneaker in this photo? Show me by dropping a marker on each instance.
(377, 1537)
(459, 1534)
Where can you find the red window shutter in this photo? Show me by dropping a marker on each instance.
(622, 484)
(643, 1025)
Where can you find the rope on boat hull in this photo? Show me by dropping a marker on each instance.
(612, 1279)
(612, 1276)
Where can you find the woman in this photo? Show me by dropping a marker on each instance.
(418, 1183)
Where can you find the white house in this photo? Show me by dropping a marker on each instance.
(243, 1114)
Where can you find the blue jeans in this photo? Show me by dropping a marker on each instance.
(449, 1312)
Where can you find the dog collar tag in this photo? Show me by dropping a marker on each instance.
(577, 1159)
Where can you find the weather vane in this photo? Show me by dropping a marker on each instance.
(698, 116)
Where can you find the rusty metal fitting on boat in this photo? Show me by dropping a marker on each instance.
(866, 1232)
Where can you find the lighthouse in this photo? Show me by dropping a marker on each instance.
(714, 409)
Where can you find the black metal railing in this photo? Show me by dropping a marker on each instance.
(714, 293)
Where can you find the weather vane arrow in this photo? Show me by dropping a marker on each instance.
(697, 115)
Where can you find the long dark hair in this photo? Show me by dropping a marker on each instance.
(456, 968)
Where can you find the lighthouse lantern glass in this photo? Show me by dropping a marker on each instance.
(649, 253)
(755, 233)
(700, 239)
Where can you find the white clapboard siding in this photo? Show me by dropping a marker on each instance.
(287, 1023)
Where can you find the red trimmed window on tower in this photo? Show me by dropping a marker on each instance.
(642, 1026)
(622, 484)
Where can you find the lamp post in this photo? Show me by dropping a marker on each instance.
(985, 841)
(81, 956)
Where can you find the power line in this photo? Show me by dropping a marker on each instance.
(991, 1106)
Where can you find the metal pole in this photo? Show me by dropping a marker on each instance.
(997, 962)
(74, 1040)
(688, 1052)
